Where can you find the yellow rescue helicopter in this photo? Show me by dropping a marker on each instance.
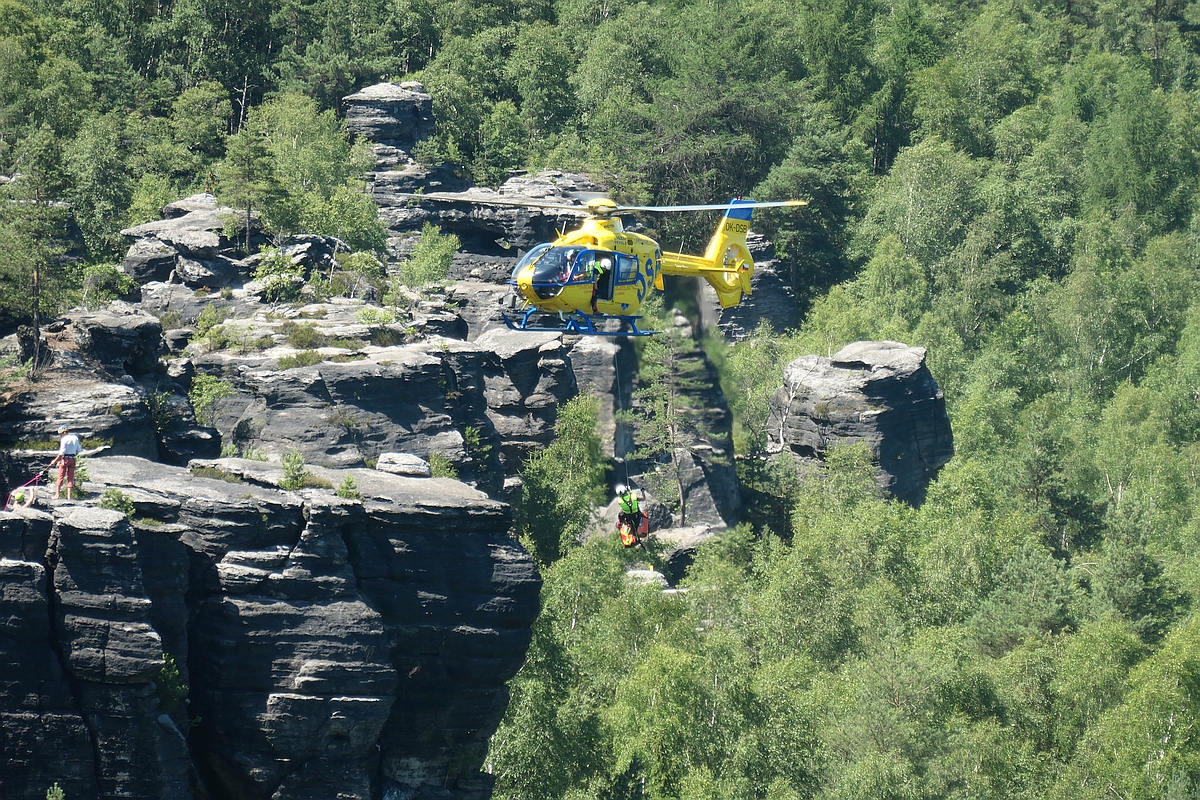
(600, 271)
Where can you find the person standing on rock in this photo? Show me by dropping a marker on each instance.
(68, 450)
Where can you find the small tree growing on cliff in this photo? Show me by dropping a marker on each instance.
(666, 419)
(247, 176)
(430, 259)
(294, 471)
(116, 500)
(206, 392)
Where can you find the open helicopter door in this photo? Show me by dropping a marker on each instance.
(606, 280)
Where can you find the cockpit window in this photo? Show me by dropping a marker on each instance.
(555, 267)
(529, 258)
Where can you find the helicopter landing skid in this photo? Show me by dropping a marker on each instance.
(576, 323)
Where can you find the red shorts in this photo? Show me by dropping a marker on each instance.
(66, 470)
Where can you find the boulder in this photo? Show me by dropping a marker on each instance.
(216, 271)
(191, 238)
(681, 546)
(403, 464)
(122, 339)
(315, 254)
(647, 577)
(181, 306)
(149, 259)
(197, 232)
(880, 393)
(480, 304)
(29, 346)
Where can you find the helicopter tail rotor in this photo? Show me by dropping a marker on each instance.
(727, 264)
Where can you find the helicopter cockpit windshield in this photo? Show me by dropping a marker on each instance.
(553, 268)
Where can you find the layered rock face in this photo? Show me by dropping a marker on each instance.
(393, 116)
(326, 647)
(481, 405)
(189, 245)
(492, 236)
(880, 393)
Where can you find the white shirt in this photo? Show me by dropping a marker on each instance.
(69, 445)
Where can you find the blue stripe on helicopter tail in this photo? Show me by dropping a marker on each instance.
(739, 213)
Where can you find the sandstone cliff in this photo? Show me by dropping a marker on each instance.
(329, 647)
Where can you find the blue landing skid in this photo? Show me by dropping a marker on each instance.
(576, 323)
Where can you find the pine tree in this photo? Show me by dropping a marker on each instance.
(33, 236)
(247, 176)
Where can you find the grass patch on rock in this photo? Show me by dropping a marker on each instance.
(217, 474)
(303, 337)
(305, 358)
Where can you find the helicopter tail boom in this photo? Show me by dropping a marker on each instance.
(726, 263)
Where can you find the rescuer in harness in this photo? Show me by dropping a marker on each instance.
(632, 522)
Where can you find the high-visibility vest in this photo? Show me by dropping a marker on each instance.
(629, 503)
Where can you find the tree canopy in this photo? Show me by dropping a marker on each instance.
(1011, 185)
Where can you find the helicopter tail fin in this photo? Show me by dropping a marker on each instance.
(726, 264)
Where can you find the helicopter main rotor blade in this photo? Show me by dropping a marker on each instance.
(718, 206)
(598, 205)
(493, 201)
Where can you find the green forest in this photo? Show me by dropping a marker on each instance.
(1014, 186)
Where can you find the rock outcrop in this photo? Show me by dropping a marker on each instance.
(394, 117)
(711, 496)
(880, 393)
(325, 647)
(189, 245)
(481, 405)
(492, 236)
(102, 410)
(122, 339)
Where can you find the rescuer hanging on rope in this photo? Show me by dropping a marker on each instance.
(632, 523)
